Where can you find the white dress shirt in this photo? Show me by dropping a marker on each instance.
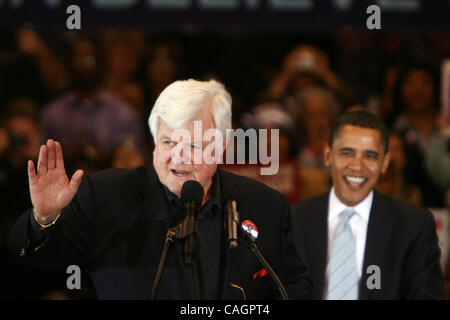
(358, 224)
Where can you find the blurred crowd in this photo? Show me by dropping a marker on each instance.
(93, 92)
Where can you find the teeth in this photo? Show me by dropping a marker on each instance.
(179, 173)
(355, 179)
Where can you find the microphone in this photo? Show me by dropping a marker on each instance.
(232, 219)
(192, 196)
(251, 234)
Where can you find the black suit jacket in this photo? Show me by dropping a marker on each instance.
(401, 240)
(116, 225)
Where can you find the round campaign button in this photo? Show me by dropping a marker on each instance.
(250, 228)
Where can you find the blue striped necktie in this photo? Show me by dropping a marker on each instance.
(343, 275)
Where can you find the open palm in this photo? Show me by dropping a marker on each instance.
(50, 188)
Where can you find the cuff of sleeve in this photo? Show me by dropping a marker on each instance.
(38, 234)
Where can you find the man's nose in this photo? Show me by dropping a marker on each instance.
(179, 156)
(356, 163)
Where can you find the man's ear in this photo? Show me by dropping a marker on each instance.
(386, 160)
(327, 155)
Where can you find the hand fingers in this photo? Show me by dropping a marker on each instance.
(42, 161)
(32, 177)
(59, 156)
(51, 158)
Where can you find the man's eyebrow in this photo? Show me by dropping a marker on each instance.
(370, 152)
(346, 149)
(164, 137)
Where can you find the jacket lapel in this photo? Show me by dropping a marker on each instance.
(151, 197)
(377, 241)
(319, 240)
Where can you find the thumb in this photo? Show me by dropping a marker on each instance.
(70, 190)
(76, 179)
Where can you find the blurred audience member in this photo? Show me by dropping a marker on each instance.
(358, 60)
(21, 130)
(270, 116)
(305, 66)
(89, 121)
(127, 156)
(381, 103)
(394, 182)
(163, 66)
(416, 100)
(316, 110)
(53, 74)
(123, 51)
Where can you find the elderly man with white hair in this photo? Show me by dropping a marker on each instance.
(113, 223)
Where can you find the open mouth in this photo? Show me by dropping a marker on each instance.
(355, 182)
(179, 173)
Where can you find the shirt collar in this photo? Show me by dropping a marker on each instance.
(362, 209)
(212, 203)
(172, 197)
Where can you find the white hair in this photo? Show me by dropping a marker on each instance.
(183, 100)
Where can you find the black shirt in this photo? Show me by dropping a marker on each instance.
(200, 279)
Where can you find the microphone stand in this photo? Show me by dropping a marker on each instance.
(169, 240)
(184, 230)
(188, 232)
(254, 248)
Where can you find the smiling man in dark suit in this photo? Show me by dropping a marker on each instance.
(113, 223)
(356, 242)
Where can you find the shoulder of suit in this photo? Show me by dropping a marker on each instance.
(114, 174)
(310, 205)
(401, 209)
(124, 181)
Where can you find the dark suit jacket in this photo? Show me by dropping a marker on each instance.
(115, 228)
(401, 240)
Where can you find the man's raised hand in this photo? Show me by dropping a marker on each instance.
(50, 188)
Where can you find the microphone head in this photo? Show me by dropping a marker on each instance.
(192, 191)
(250, 227)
